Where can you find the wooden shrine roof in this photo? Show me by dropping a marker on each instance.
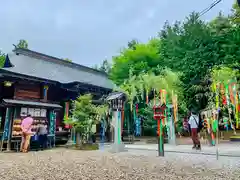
(34, 64)
(31, 103)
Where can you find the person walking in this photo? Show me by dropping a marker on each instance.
(194, 125)
(42, 136)
(26, 127)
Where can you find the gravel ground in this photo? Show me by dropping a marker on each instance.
(75, 165)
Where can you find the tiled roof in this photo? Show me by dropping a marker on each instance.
(115, 95)
(28, 103)
(30, 63)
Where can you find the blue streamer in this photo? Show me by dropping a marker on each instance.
(138, 126)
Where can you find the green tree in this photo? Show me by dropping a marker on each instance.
(84, 116)
(223, 75)
(141, 59)
(185, 48)
(22, 44)
(168, 81)
(146, 84)
(149, 124)
(104, 67)
(66, 59)
(194, 48)
(235, 16)
(132, 44)
(2, 59)
(191, 47)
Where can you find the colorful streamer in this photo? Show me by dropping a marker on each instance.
(163, 95)
(217, 96)
(138, 126)
(227, 95)
(175, 106)
(224, 100)
(225, 122)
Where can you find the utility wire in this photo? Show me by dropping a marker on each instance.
(204, 11)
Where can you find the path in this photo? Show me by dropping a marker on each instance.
(135, 164)
(223, 149)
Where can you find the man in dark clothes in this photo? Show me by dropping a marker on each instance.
(42, 136)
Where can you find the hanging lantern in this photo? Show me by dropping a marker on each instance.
(7, 83)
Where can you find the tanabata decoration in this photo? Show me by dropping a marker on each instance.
(163, 96)
(137, 121)
(205, 123)
(224, 100)
(175, 106)
(225, 122)
(136, 108)
(214, 122)
(215, 89)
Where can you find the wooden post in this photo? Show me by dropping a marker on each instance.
(66, 109)
(9, 131)
(45, 92)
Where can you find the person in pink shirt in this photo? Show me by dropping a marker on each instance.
(26, 127)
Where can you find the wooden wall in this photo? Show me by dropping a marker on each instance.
(34, 91)
(28, 91)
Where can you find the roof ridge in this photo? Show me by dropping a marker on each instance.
(42, 56)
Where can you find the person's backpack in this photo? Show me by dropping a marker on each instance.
(199, 125)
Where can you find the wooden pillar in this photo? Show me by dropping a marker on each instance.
(45, 92)
(8, 127)
(66, 112)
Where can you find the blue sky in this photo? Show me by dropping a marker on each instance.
(88, 31)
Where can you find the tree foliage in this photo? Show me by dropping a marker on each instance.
(132, 44)
(223, 75)
(68, 60)
(85, 115)
(2, 59)
(235, 16)
(149, 124)
(22, 44)
(105, 66)
(141, 59)
(191, 47)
